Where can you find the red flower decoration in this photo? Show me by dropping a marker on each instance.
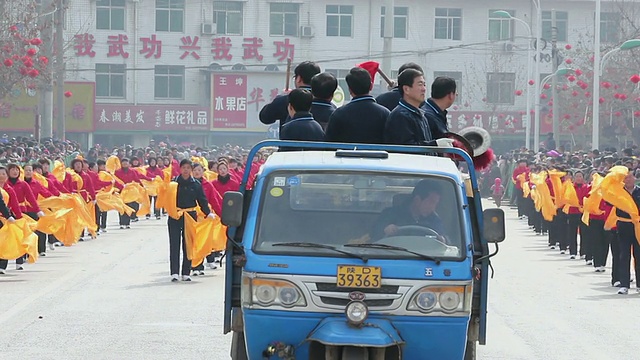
(68, 94)
(568, 47)
(8, 62)
(617, 113)
(571, 78)
(578, 72)
(584, 86)
(518, 92)
(31, 52)
(601, 100)
(568, 61)
(34, 72)
(547, 86)
(35, 41)
(636, 113)
(606, 85)
(531, 82)
(44, 60)
(574, 93)
(635, 78)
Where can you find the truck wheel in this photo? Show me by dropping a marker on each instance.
(238, 348)
(470, 351)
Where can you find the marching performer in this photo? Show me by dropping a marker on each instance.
(15, 213)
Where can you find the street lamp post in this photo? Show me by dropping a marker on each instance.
(536, 122)
(507, 15)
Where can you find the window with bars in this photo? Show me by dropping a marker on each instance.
(169, 82)
(448, 24)
(110, 80)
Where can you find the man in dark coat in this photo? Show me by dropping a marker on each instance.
(406, 124)
(323, 86)
(362, 120)
(302, 126)
(443, 94)
(277, 109)
(391, 98)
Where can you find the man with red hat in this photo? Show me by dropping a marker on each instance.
(362, 120)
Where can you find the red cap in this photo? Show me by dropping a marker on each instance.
(372, 67)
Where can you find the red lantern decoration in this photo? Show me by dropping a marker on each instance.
(635, 78)
(571, 127)
(567, 116)
(636, 113)
(606, 85)
(601, 100)
(8, 62)
(33, 73)
(501, 116)
(550, 103)
(571, 78)
(587, 94)
(531, 82)
(44, 60)
(543, 96)
(568, 47)
(565, 87)
(476, 116)
(568, 61)
(578, 72)
(616, 95)
(518, 92)
(617, 114)
(584, 86)
(28, 64)
(32, 52)
(547, 86)
(68, 94)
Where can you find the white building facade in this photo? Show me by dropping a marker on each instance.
(200, 70)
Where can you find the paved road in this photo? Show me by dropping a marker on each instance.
(110, 298)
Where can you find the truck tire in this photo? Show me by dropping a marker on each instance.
(238, 348)
(470, 351)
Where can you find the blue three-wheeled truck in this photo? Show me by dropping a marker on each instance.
(367, 252)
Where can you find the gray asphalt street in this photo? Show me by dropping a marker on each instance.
(111, 298)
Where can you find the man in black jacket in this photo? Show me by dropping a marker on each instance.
(302, 126)
(406, 124)
(277, 109)
(323, 86)
(443, 94)
(391, 98)
(362, 120)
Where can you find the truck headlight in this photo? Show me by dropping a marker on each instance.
(447, 299)
(271, 292)
(356, 312)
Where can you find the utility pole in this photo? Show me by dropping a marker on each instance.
(45, 93)
(554, 83)
(60, 69)
(595, 118)
(387, 46)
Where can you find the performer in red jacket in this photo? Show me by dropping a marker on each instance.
(53, 181)
(575, 222)
(520, 202)
(215, 203)
(154, 171)
(98, 185)
(38, 190)
(225, 182)
(14, 206)
(127, 176)
(87, 191)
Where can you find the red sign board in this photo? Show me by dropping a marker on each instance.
(123, 117)
(230, 101)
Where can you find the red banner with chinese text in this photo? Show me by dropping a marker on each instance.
(127, 117)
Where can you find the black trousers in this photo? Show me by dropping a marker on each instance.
(628, 244)
(558, 230)
(536, 219)
(102, 219)
(97, 215)
(614, 243)
(599, 240)
(176, 242)
(125, 219)
(574, 222)
(520, 201)
(156, 209)
(42, 237)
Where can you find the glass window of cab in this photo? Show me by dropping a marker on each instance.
(348, 210)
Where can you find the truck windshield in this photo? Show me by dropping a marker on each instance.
(416, 217)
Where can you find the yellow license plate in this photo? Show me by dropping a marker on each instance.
(362, 277)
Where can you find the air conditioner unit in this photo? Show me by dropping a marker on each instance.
(208, 29)
(306, 31)
(507, 47)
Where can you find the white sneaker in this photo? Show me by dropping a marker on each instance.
(58, 243)
(186, 278)
(616, 284)
(589, 262)
(2, 272)
(562, 252)
(201, 272)
(43, 254)
(623, 291)
(175, 277)
(583, 257)
(212, 266)
(572, 257)
(52, 247)
(19, 267)
(194, 273)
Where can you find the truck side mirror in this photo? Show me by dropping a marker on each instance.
(232, 204)
(493, 228)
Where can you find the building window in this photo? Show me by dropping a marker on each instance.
(283, 19)
(169, 82)
(609, 27)
(448, 24)
(400, 22)
(562, 20)
(455, 75)
(228, 17)
(170, 15)
(339, 20)
(500, 28)
(500, 88)
(110, 80)
(110, 14)
(340, 75)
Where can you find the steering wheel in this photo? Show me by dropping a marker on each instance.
(424, 229)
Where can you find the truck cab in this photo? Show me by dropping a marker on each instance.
(368, 252)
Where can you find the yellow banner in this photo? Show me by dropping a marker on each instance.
(18, 110)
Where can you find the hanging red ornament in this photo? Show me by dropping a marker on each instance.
(568, 61)
(565, 86)
(32, 52)
(8, 62)
(28, 64)
(616, 95)
(567, 116)
(574, 93)
(44, 60)
(587, 94)
(68, 94)
(531, 82)
(606, 85)
(543, 96)
(636, 113)
(578, 72)
(518, 92)
(617, 114)
(601, 100)
(547, 86)
(33, 73)
(635, 78)
(584, 86)
(571, 78)
(550, 103)
(568, 47)
(35, 41)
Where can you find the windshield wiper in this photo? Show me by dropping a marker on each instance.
(391, 247)
(322, 246)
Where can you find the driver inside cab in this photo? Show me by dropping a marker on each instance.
(419, 210)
